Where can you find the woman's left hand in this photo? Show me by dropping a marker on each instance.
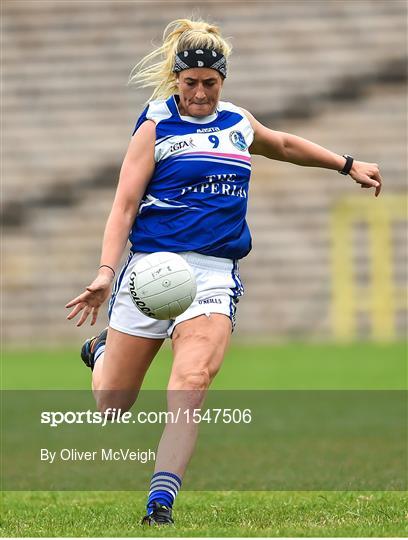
(367, 174)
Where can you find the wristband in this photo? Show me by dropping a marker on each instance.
(347, 167)
(107, 266)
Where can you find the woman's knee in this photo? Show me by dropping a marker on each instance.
(114, 401)
(199, 346)
(194, 378)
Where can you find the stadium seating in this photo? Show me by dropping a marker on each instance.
(332, 72)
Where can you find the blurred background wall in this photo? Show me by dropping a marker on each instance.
(328, 260)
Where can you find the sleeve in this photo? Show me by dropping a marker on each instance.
(248, 131)
(142, 118)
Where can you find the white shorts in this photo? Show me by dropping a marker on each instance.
(218, 289)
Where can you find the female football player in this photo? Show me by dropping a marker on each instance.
(183, 188)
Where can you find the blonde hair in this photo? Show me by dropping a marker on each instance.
(178, 35)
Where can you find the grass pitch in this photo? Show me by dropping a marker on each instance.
(360, 366)
(268, 514)
(217, 514)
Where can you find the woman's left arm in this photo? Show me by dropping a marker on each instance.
(286, 147)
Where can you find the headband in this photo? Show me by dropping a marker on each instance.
(193, 58)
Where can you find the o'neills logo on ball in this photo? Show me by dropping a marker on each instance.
(136, 300)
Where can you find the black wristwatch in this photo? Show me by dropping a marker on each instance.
(347, 167)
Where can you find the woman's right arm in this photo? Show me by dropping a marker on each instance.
(136, 172)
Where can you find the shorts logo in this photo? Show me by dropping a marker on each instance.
(210, 301)
(238, 140)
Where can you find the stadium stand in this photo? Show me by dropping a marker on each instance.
(333, 72)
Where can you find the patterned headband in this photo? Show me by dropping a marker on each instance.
(193, 58)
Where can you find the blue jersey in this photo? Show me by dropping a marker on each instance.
(197, 197)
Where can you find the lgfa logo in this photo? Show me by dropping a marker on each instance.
(238, 140)
(182, 144)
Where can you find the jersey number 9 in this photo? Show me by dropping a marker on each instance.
(214, 140)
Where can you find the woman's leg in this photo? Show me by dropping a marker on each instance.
(119, 372)
(199, 346)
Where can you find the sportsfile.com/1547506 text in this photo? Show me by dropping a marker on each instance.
(116, 416)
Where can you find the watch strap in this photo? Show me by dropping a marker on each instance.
(347, 167)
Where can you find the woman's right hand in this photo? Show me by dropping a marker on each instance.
(92, 298)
